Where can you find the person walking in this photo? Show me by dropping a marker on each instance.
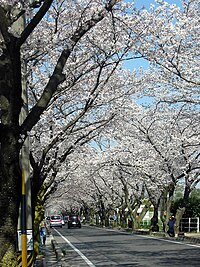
(43, 233)
(170, 224)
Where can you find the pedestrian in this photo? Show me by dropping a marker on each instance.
(170, 224)
(43, 233)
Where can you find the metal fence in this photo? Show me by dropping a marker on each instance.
(186, 224)
(190, 225)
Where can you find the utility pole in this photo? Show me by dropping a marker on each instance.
(26, 211)
(25, 234)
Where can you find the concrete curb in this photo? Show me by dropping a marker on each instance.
(59, 254)
(190, 237)
(193, 239)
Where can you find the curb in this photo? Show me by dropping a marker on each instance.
(180, 237)
(59, 254)
(192, 239)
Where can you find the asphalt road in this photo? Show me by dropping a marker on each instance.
(91, 246)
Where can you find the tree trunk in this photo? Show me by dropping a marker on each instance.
(154, 219)
(139, 216)
(38, 217)
(171, 190)
(9, 201)
(10, 173)
(135, 217)
(163, 210)
(180, 211)
(179, 214)
(122, 217)
(102, 211)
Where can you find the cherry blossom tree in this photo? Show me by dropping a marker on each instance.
(69, 54)
(172, 50)
(170, 43)
(172, 56)
(47, 42)
(153, 147)
(170, 139)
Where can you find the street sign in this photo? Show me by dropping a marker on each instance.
(29, 240)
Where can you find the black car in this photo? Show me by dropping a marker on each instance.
(74, 221)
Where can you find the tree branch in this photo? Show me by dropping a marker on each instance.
(34, 22)
(57, 76)
(4, 26)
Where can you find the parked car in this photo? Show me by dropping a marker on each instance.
(74, 221)
(56, 221)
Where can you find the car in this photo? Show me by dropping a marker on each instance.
(56, 221)
(74, 221)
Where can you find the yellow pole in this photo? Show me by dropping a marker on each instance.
(25, 212)
(23, 223)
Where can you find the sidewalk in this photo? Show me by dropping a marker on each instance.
(193, 237)
(49, 259)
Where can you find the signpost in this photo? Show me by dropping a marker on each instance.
(29, 240)
(25, 212)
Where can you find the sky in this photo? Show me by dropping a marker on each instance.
(146, 3)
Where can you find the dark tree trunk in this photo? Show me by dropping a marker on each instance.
(102, 212)
(180, 211)
(154, 219)
(10, 173)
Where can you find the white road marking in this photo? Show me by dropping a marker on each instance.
(157, 238)
(172, 241)
(89, 263)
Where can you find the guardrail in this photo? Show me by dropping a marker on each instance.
(190, 224)
(186, 224)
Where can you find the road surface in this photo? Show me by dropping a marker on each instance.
(91, 246)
